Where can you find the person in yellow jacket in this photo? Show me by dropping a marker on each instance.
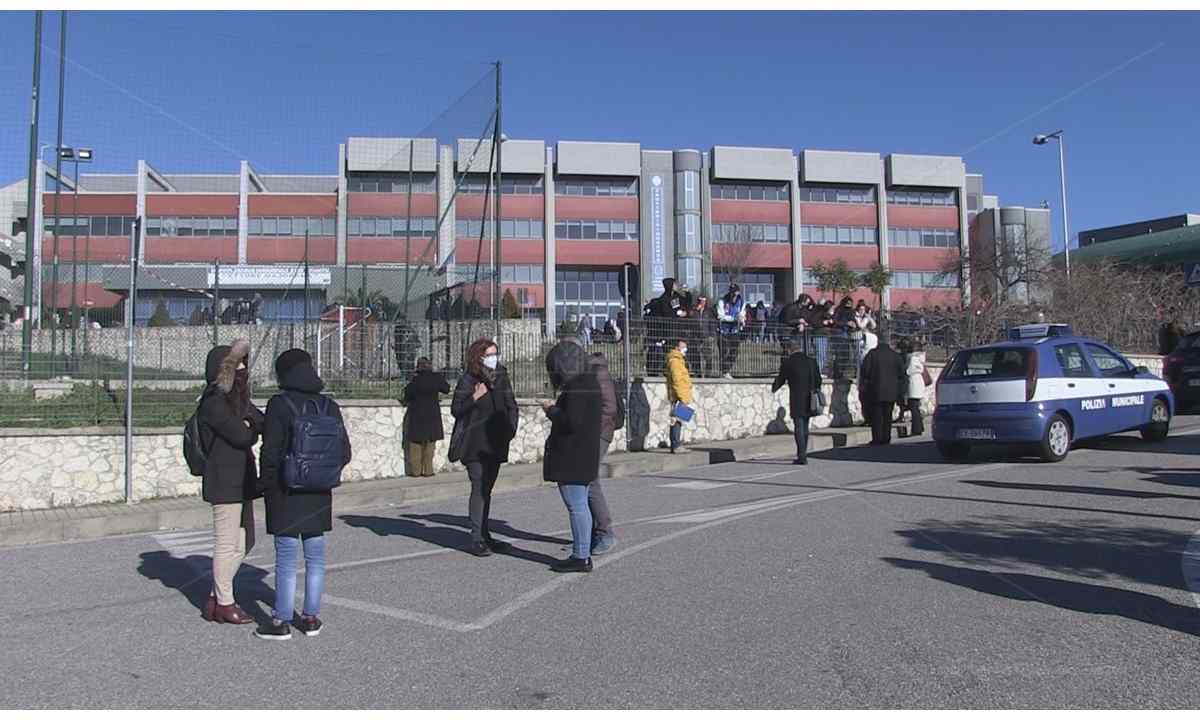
(679, 388)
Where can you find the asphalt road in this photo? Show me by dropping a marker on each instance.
(874, 577)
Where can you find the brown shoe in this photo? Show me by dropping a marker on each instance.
(233, 615)
(209, 612)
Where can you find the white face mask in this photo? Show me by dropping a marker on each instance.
(683, 351)
(491, 361)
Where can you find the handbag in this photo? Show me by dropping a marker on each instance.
(458, 438)
(816, 403)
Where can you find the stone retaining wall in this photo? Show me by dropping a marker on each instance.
(50, 468)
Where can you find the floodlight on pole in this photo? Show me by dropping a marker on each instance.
(1062, 174)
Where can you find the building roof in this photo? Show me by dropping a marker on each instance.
(301, 183)
(1180, 245)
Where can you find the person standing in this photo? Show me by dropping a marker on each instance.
(603, 538)
(230, 426)
(731, 313)
(424, 416)
(298, 520)
(803, 378)
(914, 369)
(485, 417)
(879, 382)
(679, 390)
(573, 448)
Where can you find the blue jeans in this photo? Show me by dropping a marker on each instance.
(287, 550)
(576, 499)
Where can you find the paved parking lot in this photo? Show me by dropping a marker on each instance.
(877, 577)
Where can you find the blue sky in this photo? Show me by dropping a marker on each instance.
(198, 91)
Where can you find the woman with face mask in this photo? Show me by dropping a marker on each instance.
(485, 422)
(230, 426)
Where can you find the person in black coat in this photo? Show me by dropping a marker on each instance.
(573, 448)
(879, 386)
(424, 417)
(297, 520)
(229, 430)
(803, 378)
(485, 422)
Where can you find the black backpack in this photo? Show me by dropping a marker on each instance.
(317, 452)
(194, 451)
(619, 420)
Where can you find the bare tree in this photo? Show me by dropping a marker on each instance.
(734, 251)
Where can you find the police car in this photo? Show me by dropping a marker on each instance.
(1047, 387)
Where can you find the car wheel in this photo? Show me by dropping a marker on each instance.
(1160, 422)
(954, 451)
(1056, 440)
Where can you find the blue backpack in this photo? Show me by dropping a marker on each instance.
(317, 452)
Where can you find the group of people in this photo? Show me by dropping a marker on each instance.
(583, 420)
(230, 428)
(887, 379)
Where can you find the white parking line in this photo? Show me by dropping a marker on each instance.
(697, 485)
(727, 515)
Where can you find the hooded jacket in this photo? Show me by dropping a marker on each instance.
(573, 447)
(228, 433)
(679, 380)
(293, 513)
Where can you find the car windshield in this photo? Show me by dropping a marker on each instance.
(990, 364)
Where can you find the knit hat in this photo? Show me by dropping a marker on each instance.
(290, 359)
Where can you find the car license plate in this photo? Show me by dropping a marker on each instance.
(1194, 382)
(976, 434)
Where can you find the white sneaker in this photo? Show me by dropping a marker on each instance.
(727, 376)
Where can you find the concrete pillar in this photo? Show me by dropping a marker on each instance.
(343, 206)
(243, 210)
(706, 223)
(446, 209)
(36, 223)
(549, 289)
(964, 246)
(142, 173)
(797, 249)
(882, 222)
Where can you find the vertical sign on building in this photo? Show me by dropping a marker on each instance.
(658, 251)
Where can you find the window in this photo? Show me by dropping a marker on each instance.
(864, 195)
(922, 237)
(946, 198)
(587, 293)
(990, 364)
(775, 192)
(590, 229)
(592, 187)
(751, 232)
(1070, 359)
(375, 182)
(839, 235)
(1106, 361)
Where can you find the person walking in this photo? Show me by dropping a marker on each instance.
(485, 422)
(731, 312)
(424, 417)
(230, 426)
(802, 376)
(879, 381)
(297, 519)
(914, 369)
(679, 390)
(573, 448)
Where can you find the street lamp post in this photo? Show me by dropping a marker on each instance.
(1062, 174)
